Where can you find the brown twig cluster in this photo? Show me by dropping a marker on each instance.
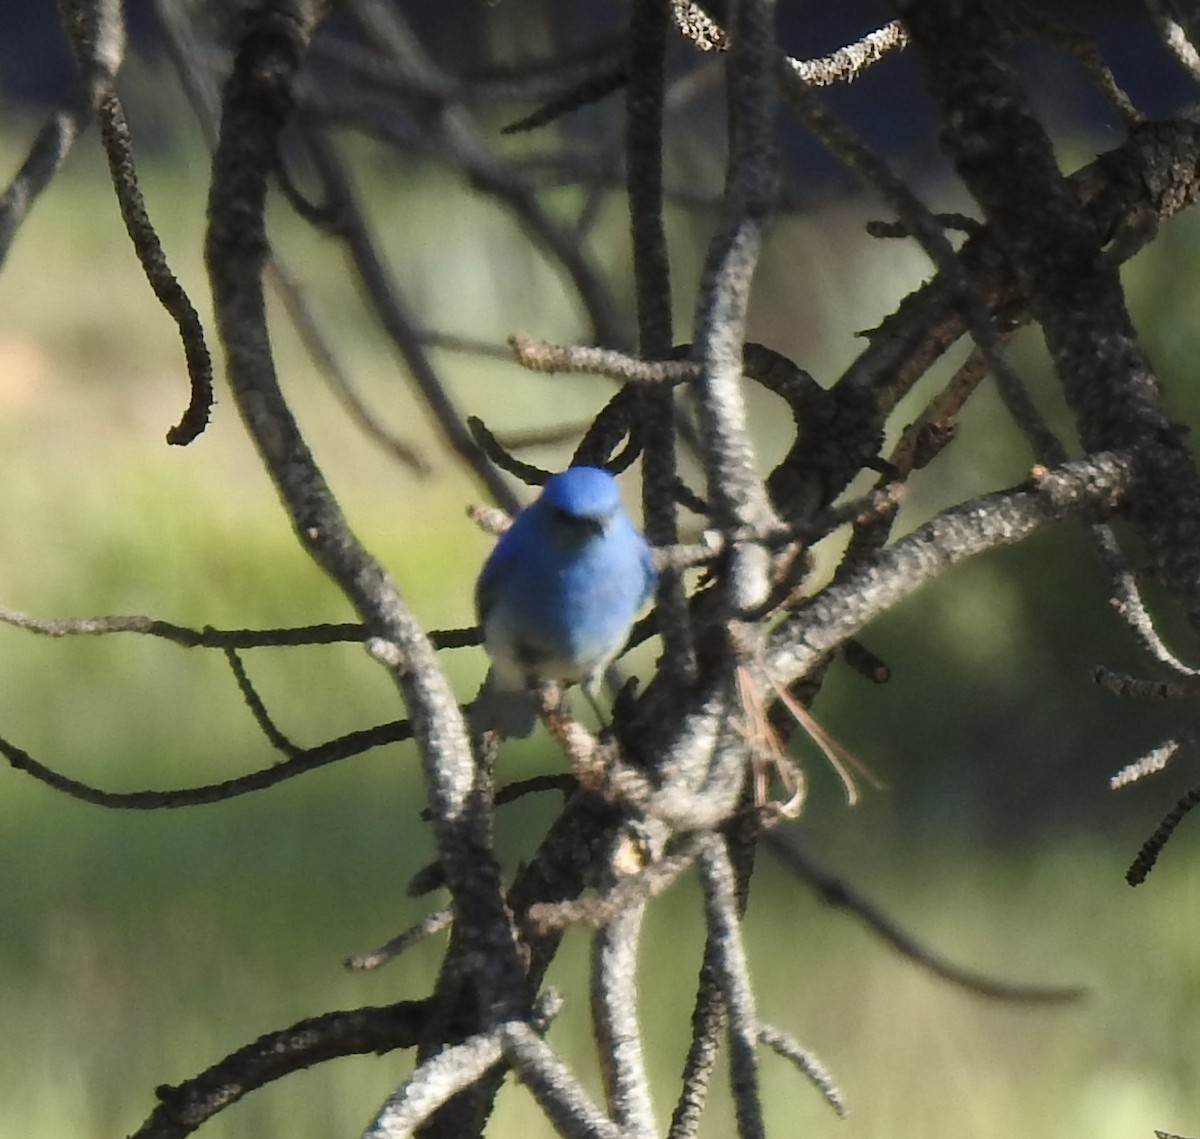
(692, 775)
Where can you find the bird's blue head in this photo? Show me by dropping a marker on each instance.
(586, 494)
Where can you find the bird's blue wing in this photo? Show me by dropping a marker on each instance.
(494, 570)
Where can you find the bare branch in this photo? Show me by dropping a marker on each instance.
(258, 709)
(562, 1098)
(443, 1075)
(97, 39)
(1094, 486)
(1044, 27)
(615, 1018)
(625, 893)
(1153, 761)
(201, 92)
(98, 30)
(1104, 373)
(1175, 35)
(732, 974)
(1153, 846)
(836, 892)
(211, 638)
(735, 492)
(538, 356)
(708, 1023)
(184, 1107)
(305, 760)
(256, 103)
(847, 63)
(428, 926)
(782, 1044)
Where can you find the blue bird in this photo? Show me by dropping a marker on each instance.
(558, 595)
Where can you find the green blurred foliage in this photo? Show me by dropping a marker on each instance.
(135, 949)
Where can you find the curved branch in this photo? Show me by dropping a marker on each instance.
(1094, 486)
(184, 1107)
(839, 894)
(308, 759)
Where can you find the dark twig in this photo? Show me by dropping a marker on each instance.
(1042, 26)
(645, 105)
(183, 1108)
(497, 454)
(609, 78)
(97, 40)
(1122, 684)
(258, 709)
(118, 147)
(98, 30)
(708, 1023)
(839, 894)
(382, 292)
(1153, 846)
(301, 762)
(201, 92)
(211, 638)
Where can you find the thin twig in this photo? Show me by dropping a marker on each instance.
(808, 1063)
(839, 894)
(257, 708)
(428, 926)
(847, 63)
(708, 1023)
(1042, 26)
(201, 92)
(382, 292)
(1153, 846)
(212, 638)
(732, 972)
(624, 893)
(99, 31)
(303, 761)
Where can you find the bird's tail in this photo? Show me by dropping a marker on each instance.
(512, 712)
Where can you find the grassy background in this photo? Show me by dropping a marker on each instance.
(136, 949)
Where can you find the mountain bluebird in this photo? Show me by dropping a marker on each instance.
(558, 596)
